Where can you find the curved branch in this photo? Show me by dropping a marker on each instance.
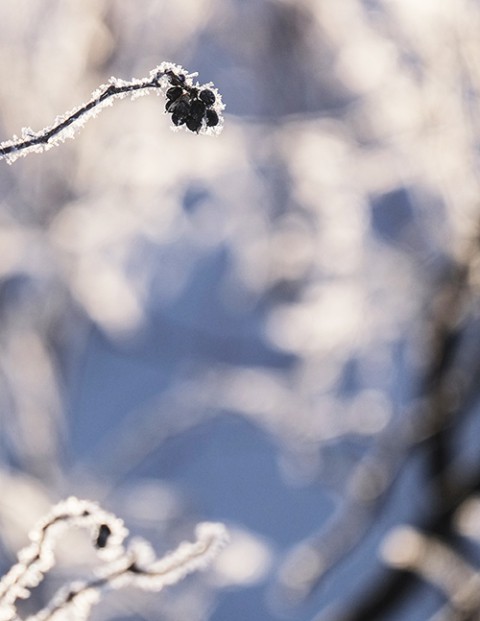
(199, 115)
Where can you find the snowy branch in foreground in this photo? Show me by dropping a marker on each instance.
(132, 565)
(196, 107)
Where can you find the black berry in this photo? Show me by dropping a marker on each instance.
(207, 96)
(173, 93)
(197, 109)
(180, 110)
(104, 533)
(212, 118)
(194, 124)
(178, 119)
(176, 80)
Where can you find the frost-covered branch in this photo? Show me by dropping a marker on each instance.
(191, 105)
(37, 558)
(138, 567)
(134, 565)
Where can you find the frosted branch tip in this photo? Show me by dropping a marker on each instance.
(195, 107)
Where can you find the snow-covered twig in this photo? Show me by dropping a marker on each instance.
(196, 107)
(108, 534)
(133, 565)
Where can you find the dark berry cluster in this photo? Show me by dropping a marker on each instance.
(189, 105)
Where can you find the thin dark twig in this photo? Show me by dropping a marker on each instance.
(109, 92)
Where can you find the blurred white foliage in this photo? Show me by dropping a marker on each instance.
(246, 561)
(408, 104)
(74, 222)
(407, 548)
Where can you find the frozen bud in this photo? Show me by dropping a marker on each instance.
(104, 533)
(177, 79)
(178, 120)
(180, 111)
(212, 118)
(181, 107)
(174, 93)
(194, 124)
(207, 96)
(197, 109)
